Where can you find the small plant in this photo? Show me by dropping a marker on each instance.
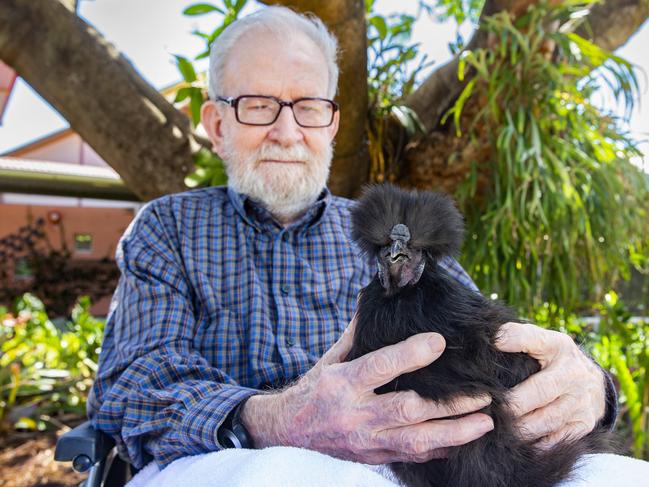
(623, 348)
(620, 344)
(45, 370)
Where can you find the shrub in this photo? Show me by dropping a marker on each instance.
(46, 369)
(620, 343)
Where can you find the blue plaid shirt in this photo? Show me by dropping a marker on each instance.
(215, 302)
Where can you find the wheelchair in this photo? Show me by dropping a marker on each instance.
(93, 452)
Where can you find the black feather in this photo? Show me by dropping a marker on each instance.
(383, 206)
(470, 365)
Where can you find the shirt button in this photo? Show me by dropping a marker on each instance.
(286, 288)
(289, 342)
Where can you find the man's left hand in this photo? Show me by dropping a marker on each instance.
(566, 398)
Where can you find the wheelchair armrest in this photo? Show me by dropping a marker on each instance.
(84, 441)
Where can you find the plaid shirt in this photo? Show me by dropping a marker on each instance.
(215, 302)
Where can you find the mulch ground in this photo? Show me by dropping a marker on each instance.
(28, 461)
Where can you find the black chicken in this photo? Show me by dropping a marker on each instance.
(409, 233)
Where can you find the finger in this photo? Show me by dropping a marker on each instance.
(536, 391)
(541, 344)
(381, 366)
(421, 439)
(339, 350)
(404, 408)
(549, 419)
(570, 432)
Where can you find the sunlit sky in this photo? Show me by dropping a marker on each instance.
(149, 32)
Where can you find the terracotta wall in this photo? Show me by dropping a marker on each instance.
(105, 225)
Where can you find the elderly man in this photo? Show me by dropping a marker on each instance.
(229, 324)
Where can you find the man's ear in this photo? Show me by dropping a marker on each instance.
(212, 119)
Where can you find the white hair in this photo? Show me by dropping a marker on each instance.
(284, 23)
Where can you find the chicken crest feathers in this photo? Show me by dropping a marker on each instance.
(435, 224)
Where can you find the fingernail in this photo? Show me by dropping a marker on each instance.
(486, 424)
(436, 342)
(485, 400)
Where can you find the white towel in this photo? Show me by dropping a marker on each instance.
(270, 467)
(294, 467)
(607, 470)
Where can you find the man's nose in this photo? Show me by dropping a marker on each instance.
(285, 131)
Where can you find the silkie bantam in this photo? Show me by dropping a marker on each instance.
(409, 233)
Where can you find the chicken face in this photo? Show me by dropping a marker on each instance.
(399, 264)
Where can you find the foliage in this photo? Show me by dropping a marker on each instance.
(565, 205)
(393, 66)
(620, 344)
(460, 11)
(45, 370)
(209, 167)
(624, 349)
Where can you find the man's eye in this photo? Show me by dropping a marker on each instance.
(308, 108)
(259, 107)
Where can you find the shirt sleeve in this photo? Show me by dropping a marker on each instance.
(154, 393)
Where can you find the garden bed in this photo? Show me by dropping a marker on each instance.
(27, 460)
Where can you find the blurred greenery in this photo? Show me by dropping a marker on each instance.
(619, 342)
(394, 63)
(46, 370)
(564, 215)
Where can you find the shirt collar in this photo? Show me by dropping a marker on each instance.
(254, 213)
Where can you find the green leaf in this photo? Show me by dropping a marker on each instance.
(186, 68)
(195, 104)
(381, 27)
(183, 93)
(201, 9)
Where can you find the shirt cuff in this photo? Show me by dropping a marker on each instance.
(202, 421)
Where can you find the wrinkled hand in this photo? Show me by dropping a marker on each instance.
(566, 398)
(333, 408)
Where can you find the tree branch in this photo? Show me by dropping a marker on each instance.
(130, 125)
(611, 23)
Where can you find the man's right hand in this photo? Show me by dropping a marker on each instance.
(333, 408)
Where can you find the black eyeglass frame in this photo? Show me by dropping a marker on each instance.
(234, 103)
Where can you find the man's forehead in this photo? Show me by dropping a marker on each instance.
(264, 63)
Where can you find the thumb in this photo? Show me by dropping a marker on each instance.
(341, 348)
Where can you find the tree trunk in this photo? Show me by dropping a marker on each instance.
(346, 19)
(611, 23)
(142, 136)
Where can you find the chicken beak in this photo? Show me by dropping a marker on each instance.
(399, 248)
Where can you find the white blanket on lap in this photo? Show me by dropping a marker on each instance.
(270, 467)
(294, 467)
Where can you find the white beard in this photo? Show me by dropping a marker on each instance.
(285, 190)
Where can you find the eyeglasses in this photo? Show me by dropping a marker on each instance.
(264, 110)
